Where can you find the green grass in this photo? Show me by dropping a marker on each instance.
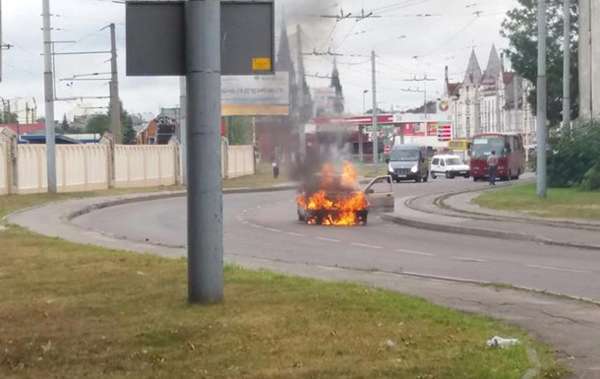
(561, 202)
(262, 179)
(81, 311)
(371, 170)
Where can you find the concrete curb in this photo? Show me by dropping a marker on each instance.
(481, 232)
(441, 202)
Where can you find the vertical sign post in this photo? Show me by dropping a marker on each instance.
(542, 99)
(205, 197)
(49, 100)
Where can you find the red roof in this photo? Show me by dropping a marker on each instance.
(25, 128)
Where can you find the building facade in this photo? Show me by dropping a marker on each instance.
(490, 101)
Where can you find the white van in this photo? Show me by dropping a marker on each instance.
(449, 166)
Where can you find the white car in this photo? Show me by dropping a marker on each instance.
(449, 166)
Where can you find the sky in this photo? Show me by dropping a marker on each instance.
(407, 45)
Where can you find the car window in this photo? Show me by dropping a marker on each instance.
(382, 185)
(435, 162)
(442, 163)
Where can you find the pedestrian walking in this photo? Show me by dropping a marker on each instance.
(275, 169)
(493, 168)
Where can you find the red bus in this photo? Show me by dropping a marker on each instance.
(509, 149)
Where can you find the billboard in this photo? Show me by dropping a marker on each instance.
(156, 37)
(262, 95)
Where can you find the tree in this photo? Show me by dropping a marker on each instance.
(9, 118)
(240, 130)
(129, 133)
(98, 124)
(64, 125)
(520, 27)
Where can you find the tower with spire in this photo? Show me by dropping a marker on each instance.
(336, 84)
(490, 101)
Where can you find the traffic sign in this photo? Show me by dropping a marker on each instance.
(155, 36)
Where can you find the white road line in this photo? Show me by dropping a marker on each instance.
(367, 246)
(559, 269)
(469, 259)
(273, 230)
(328, 239)
(295, 234)
(412, 252)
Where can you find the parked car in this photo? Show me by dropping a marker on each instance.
(449, 166)
(409, 162)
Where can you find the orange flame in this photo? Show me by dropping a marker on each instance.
(339, 206)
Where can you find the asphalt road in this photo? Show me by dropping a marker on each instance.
(265, 226)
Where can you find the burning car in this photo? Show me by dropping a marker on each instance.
(335, 199)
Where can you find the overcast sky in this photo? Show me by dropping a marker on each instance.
(406, 44)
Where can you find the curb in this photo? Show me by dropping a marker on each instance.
(441, 203)
(162, 196)
(480, 232)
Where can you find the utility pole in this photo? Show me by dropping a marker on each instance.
(567, 66)
(375, 115)
(205, 195)
(49, 99)
(301, 106)
(541, 101)
(115, 104)
(183, 127)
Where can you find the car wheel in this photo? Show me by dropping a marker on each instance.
(433, 176)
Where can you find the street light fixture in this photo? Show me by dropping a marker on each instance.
(365, 92)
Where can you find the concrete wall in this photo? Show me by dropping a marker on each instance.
(78, 168)
(31, 169)
(146, 165)
(4, 168)
(88, 167)
(240, 161)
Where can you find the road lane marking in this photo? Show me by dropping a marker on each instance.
(295, 234)
(412, 252)
(469, 259)
(272, 230)
(366, 246)
(328, 239)
(559, 269)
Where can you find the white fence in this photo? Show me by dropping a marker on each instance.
(96, 167)
(4, 168)
(146, 165)
(78, 168)
(240, 161)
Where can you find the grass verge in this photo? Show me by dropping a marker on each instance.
(73, 311)
(561, 202)
(262, 179)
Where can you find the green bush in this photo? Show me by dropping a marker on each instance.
(574, 154)
(591, 180)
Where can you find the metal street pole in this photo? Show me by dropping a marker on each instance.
(374, 113)
(183, 127)
(205, 195)
(567, 66)
(541, 101)
(115, 104)
(49, 100)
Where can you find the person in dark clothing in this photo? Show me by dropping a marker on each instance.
(493, 168)
(275, 169)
